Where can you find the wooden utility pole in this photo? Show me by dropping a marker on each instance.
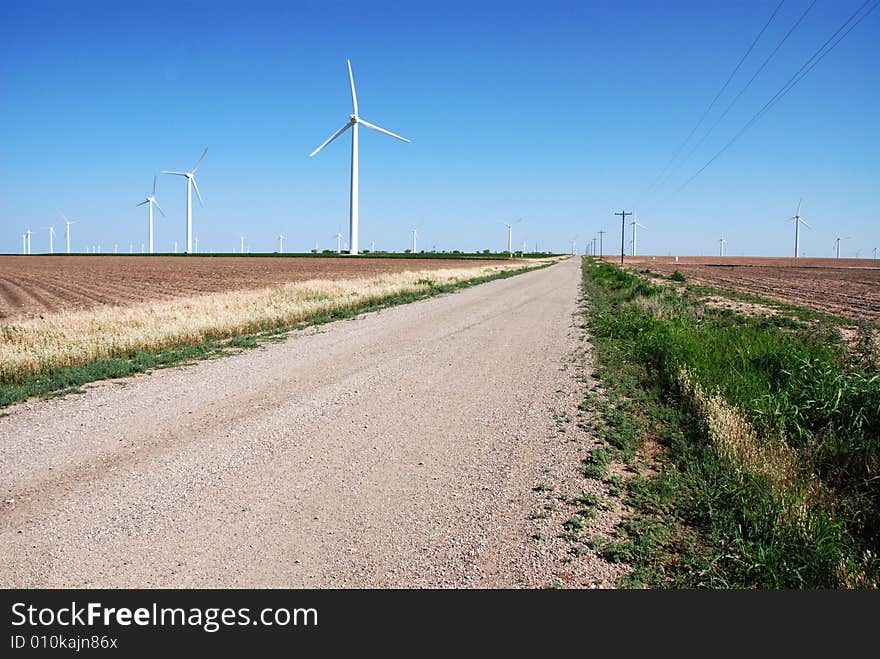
(601, 233)
(623, 215)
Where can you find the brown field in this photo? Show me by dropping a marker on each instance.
(35, 285)
(844, 287)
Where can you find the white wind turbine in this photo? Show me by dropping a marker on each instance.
(338, 236)
(415, 235)
(51, 238)
(27, 232)
(353, 121)
(280, 244)
(721, 245)
(151, 200)
(797, 229)
(510, 235)
(837, 240)
(635, 225)
(190, 183)
(67, 229)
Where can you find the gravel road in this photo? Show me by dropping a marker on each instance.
(399, 449)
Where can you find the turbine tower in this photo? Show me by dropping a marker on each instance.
(280, 244)
(510, 236)
(721, 244)
(242, 244)
(415, 234)
(27, 233)
(51, 239)
(190, 183)
(353, 121)
(635, 225)
(151, 200)
(797, 229)
(67, 229)
(837, 240)
(338, 236)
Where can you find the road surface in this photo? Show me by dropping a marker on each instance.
(395, 450)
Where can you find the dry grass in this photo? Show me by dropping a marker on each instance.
(35, 346)
(769, 459)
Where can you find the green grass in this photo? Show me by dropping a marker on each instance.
(702, 521)
(62, 381)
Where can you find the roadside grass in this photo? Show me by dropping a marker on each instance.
(769, 475)
(38, 376)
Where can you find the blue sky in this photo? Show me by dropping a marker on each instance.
(559, 113)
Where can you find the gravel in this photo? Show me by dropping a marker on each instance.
(399, 449)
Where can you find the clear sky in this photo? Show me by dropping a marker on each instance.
(559, 113)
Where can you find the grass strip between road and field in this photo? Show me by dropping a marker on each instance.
(59, 353)
(761, 439)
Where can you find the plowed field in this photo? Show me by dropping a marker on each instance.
(844, 287)
(36, 285)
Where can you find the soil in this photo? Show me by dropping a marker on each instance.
(35, 285)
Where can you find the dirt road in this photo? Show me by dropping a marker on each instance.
(396, 450)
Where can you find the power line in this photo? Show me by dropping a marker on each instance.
(747, 85)
(717, 96)
(799, 75)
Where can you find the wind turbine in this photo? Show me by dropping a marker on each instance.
(27, 233)
(837, 240)
(415, 233)
(510, 235)
(242, 244)
(151, 199)
(338, 236)
(280, 244)
(635, 225)
(721, 244)
(573, 243)
(353, 121)
(797, 229)
(190, 183)
(51, 239)
(67, 229)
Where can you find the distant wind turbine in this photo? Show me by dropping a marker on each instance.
(190, 184)
(510, 235)
(280, 244)
(338, 237)
(27, 232)
(67, 229)
(797, 229)
(353, 121)
(721, 244)
(51, 239)
(151, 200)
(242, 244)
(635, 225)
(415, 234)
(837, 240)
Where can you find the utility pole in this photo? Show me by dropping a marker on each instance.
(601, 233)
(594, 246)
(623, 215)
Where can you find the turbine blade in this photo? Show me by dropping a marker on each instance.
(382, 130)
(198, 194)
(159, 207)
(806, 225)
(155, 178)
(799, 206)
(143, 202)
(199, 162)
(62, 215)
(175, 173)
(354, 98)
(331, 138)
